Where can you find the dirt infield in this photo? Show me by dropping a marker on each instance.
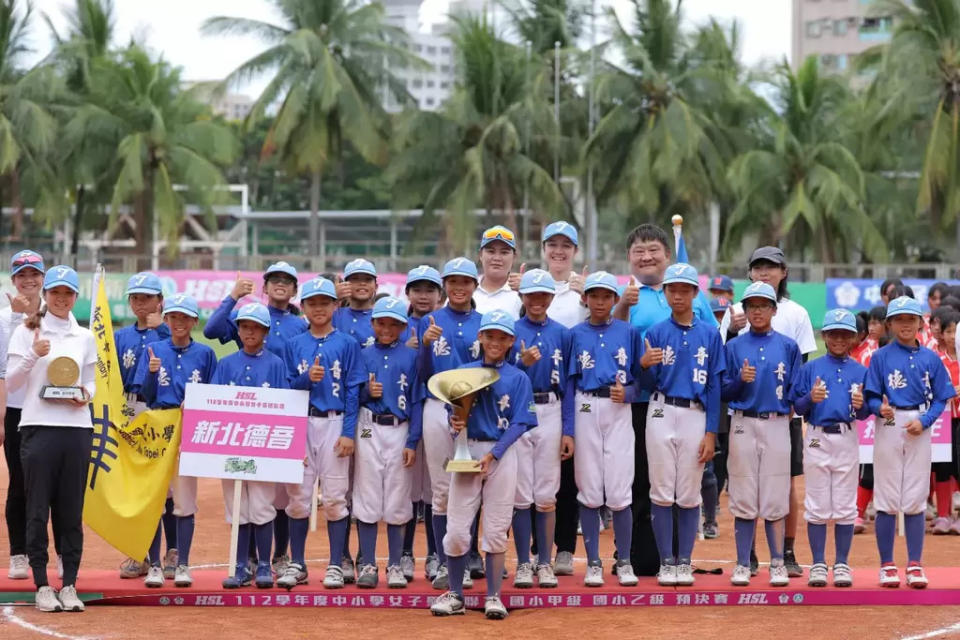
(210, 548)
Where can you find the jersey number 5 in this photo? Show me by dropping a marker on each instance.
(700, 376)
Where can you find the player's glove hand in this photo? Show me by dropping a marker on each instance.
(707, 448)
(819, 392)
(914, 427)
(409, 457)
(748, 373)
(344, 447)
(566, 447)
(652, 356)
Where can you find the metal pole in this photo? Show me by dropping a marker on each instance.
(556, 111)
(526, 151)
(592, 226)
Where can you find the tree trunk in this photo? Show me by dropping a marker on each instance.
(77, 219)
(315, 214)
(16, 233)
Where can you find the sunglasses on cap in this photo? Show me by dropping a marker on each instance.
(27, 259)
(495, 233)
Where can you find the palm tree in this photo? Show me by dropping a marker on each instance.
(805, 183)
(470, 155)
(330, 62)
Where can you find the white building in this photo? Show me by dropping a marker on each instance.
(432, 87)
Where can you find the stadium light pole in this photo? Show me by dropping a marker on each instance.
(592, 226)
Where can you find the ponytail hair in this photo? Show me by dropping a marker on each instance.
(32, 321)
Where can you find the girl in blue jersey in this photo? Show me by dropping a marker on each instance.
(541, 350)
(907, 387)
(448, 339)
(162, 379)
(253, 366)
(360, 287)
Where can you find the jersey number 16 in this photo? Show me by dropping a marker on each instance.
(700, 376)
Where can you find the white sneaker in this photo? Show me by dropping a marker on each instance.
(431, 567)
(46, 600)
(889, 577)
(594, 576)
(183, 578)
(818, 575)
(69, 600)
(563, 565)
(741, 576)
(667, 576)
(395, 577)
(493, 609)
(19, 568)
(60, 566)
(916, 578)
(625, 575)
(407, 567)
(545, 577)
(441, 582)
(956, 500)
(293, 574)
(778, 574)
(467, 580)
(349, 570)
(523, 579)
(333, 578)
(154, 578)
(448, 604)
(684, 575)
(842, 575)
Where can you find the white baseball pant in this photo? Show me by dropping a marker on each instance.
(831, 468)
(381, 484)
(603, 458)
(256, 502)
(673, 438)
(496, 491)
(538, 460)
(438, 445)
(901, 466)
(758, 467)
(420, 478)
(323, 464)
(184, 496)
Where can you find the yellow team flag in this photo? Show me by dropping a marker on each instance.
(132, 461)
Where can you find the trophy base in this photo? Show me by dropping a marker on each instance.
(462, 466)
(61, 393)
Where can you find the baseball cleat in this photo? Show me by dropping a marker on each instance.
(778, 574)
(19, 568)
(685, 575)
(493, 608)
(407, 566)
(794, 570)
(889, 577)
(182, 578)
(594, 576)
(709, 530)
(348, 570)
(369, 577)
(818, 575)
(625, 574)
(293, 575)
(333, 578)
(241, 578)
(741, 576)
(475, 565)
(46, 600)
(69, 599)
(523, 579)
(447, 604)
(395, 577)
(442, 581)
(467, 579)
(545, 577)
(431, 566)
(941, 527)
(170, 564)
(667, 576)
(131, 568)
(563, 565)
(916, 578)
(154, 579)
(842, 575)
(264, 579)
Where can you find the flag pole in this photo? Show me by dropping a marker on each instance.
(234, 527)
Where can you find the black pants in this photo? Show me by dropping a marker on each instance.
(643, 550)
(55, 461)
(568, 510)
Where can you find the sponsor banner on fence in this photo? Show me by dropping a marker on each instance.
(939, 437)
(864, 294)
(244, 433)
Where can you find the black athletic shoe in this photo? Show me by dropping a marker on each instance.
(794, 570)
(754, 564)
(475, 564)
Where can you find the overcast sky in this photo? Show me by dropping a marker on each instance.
(172, 28)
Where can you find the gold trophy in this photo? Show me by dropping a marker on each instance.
(458, 388)
(63, 374)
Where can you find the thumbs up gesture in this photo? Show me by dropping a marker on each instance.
(40, 347)
(316, 371)
(374, 388)
(651, 355)
(155, 319)
(748, 373)
(577, 280)
(632, 292)
(344, 288)
(514, 278)
(819, 392)
(242, 287)
(530, 356)
(856, 398)
(18, 304)
(154, 363)
(885, 409)
(617, 392)
(432, 333)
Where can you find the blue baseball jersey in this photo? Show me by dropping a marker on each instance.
(355, 323)
(129, 343)
(908, 376)
(262, 369)
(778, 362)
(692, 367)
(504, 410)
(550, 373)
(165, 389)
(395, 367)
(602, 354)
(284, 326)
(457, 346)
(344, 373)
(839, 375)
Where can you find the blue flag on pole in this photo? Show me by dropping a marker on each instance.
(680, 247)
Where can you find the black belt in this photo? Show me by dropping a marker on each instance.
(684, 403)
(136, 397)
(913, 407)
(763, 415)
(833, 428)
(316, 413)
(387, 420)
(543, 397)
(602, 392)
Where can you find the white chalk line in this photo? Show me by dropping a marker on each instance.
(935, 633)
(13, 618)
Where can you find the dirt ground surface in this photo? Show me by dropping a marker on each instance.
(210, 548)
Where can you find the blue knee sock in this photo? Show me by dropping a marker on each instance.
(623, 532)
(774, 531)
(281, 533)
(590, 526)
(263, 534)
(428, 527)
(440, 530)
(662, 520)
(337, 535)
(494, 562)
(298, 540)
(743, 532)
(154, 553)
(687, 520)
(521, 534)
(913, 527)
(169, 524)
(410, 530)
(243, 545)
(456, 565)
(394, 544)
(252, 549)
(546, 526)
(843, 538)
(185, 526)
(368, 541)
(817, 534)
(885, 527)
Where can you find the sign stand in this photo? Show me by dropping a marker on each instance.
(313, 504)
(234, 527)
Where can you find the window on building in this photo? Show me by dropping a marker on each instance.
(842, 61)
(828, 61)
(430, 84)
(444, 68)
(444, 85)
(431, 51)
(840, 27)
(814, 28)
(417, 83)
(418, 48)
(430, 102)
(445, 50)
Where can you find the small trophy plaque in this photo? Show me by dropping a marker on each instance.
(63, 374)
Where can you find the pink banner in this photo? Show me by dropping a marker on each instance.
(939, 438)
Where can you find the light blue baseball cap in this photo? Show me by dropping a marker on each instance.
(318, 287)
(359, 266)
(280, 267)
(560, 228)
(500, 320)
(681, 273)
(839, 319)
(390, 307)
(144, 282)
(255, 312)
(537, 281)
(759, 290)
(501, 233)
(61, 275)
(601, 280)
(26, 259)
(424, 273)
(904, 305)
(182, 303)
(461, 267)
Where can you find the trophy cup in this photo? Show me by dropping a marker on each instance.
(63, 374)
(458, 388)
